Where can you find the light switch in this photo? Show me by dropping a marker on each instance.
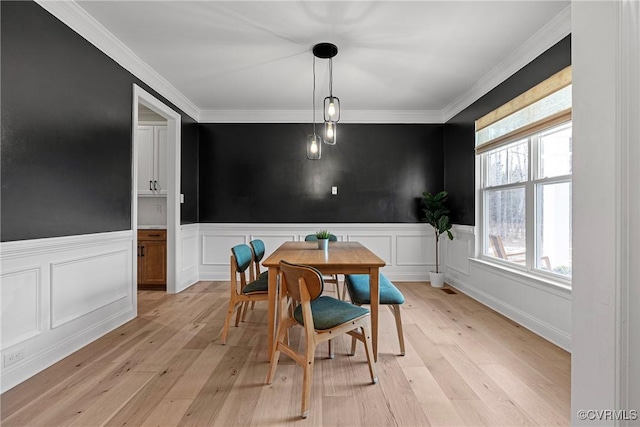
(334, 190)
(181, 198)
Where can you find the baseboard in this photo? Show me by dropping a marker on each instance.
(40, 361)
(535, 325)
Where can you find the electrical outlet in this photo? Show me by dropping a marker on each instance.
(334, 190)
(13, 357)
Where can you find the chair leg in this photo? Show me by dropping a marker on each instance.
(396, 314)
(245, 307)
(275, 356)
(353, 346)
(307, 379)
(353, 340)
(239, 314)
(369, 350)
(227, 321)
(335, 277)
(331, 349)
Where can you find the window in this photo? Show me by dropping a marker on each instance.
(525, 182)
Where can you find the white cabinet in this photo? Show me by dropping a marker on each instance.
(152, 160)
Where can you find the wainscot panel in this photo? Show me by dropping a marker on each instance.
(190, 251)
(538, 305)
(406, 248)
(60, 294)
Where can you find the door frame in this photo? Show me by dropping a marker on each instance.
(141, 96)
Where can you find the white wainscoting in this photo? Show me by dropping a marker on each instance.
(533, 303)
(408, 249)
(60, 294)
(190, 255)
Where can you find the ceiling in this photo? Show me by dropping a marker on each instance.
(420, 60)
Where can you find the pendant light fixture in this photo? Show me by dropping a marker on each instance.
(314, 141)
(331, 103)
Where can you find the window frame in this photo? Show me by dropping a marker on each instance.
(533, 185)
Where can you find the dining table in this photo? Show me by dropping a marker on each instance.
(339, 258)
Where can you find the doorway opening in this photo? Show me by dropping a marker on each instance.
(164, 204)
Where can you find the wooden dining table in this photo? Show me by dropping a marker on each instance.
(340, 258)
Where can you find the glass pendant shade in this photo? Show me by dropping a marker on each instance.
(314, 147)
(331, 109)
(330, 129)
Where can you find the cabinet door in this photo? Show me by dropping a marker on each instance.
(153, 263)
(146, 166)
(160, 133)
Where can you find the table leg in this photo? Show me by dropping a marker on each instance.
(271, 314)
(374, 290)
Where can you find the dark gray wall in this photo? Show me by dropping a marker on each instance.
(259, 173)
(66, 132)
(459, 134)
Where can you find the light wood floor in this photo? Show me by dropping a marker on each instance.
(465, 365)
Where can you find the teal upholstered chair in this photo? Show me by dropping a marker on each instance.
(322, 317)
(242, 290)
(358, 287)
(257, 246)
(334, 277)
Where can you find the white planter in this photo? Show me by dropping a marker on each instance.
(323, 244)
(436, 279)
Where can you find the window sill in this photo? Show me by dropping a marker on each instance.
(522, 276)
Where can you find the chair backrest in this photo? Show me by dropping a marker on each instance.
(258, 249)
(243, 256)
(497, 246)
(291, 275)
(257, 246)
(313, 238)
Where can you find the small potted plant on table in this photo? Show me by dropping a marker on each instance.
(435, 214)
(323, 239)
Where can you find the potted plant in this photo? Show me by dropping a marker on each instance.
(323, 239)
(435, 214)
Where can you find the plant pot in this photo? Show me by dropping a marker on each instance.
(323, 244)
(436, 279)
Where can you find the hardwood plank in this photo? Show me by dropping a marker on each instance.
(435, 403)
(167, 413)
(464, 365)
(214, 393)
(142, 404)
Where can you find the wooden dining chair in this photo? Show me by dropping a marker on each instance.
(360, 292)
(242, 290)
(257, 246)
(257, 249)
(322, 317)
(334, 277)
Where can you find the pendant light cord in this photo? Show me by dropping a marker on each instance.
(314, 96)
(331, 77)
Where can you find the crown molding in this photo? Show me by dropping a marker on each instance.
(554, 31)
(302, 116)
(76, 18)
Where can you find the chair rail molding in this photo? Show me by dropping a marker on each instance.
(407, 248)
